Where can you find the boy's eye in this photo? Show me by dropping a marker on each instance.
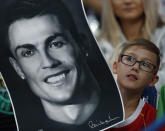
(146, 64)
(130, 58)
(27, 53)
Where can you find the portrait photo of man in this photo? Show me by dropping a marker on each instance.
(47, 52)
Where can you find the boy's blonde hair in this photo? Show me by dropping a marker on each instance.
(111, 30)
(145, 44)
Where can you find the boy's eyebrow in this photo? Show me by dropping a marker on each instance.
(130, 53)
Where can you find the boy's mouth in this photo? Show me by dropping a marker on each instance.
(132, 77)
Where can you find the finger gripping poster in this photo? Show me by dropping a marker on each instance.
(54, 71)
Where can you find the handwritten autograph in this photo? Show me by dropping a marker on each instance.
(97, 123)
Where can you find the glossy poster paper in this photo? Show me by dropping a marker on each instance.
(54, 71)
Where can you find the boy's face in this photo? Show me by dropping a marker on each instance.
(133, 77)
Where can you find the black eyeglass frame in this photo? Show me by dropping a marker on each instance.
(136, 61)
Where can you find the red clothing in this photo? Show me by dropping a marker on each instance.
(147, 115)
(161, 129)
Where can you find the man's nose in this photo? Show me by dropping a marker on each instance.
(48, 61)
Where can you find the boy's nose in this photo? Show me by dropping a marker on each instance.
(136, 66)
(127, 1)
(48, 62)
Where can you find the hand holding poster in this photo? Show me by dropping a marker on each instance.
(60, 79)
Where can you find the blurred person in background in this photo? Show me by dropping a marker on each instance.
(93, 10)
(96, 5)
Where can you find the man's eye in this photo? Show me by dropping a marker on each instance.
(56, 44)
(27, 53)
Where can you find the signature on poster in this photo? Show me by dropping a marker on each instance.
(97, 123)
(40, 130)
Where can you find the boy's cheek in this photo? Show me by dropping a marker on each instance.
(115, 67)
(147, 78)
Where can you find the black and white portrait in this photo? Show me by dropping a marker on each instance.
(54, 71)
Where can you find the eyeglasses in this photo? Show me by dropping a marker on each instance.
(143, 65)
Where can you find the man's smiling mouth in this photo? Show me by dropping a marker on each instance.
(56, 79)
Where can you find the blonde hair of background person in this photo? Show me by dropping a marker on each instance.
(96, 5)
(111, 27)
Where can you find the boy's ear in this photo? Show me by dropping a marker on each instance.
(115, 67)
(154, 80)
(16, 67)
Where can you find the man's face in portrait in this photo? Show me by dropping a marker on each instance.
(46, 56)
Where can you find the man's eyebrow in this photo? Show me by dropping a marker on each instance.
(54, 36)
(27, 46)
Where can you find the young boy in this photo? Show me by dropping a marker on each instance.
(136, 68)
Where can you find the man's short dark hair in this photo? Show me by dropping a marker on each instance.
(19, 9)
